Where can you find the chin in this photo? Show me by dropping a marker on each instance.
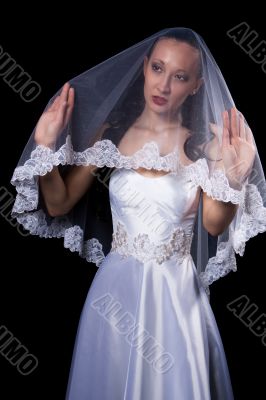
(160, 109)
(156, 108)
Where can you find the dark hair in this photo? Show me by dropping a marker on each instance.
(180, 35)
(131, 104)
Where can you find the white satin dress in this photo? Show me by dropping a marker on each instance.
(147, 330)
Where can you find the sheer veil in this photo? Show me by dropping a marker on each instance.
(109, 98)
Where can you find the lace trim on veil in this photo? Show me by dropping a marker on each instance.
(105, 153)
(252, 216)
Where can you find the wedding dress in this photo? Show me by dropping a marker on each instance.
(147, 330)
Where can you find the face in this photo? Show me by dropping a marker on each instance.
(171, 75)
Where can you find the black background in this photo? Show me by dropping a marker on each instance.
(43, 286)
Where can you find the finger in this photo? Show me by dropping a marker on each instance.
(248, 132)
(70, 106)
(226, 120)
(226, 136)
(60, 116)
(249, 136)
(234, 122)
(71, 97)
(64, 92)
(242, 130)
(226, 126)
(53, 105)
(60, 98)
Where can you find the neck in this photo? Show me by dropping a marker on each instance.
(156, 122)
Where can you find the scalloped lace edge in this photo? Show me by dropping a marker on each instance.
(36, 224)
(25, 178)
(219, 265)
(105, 153)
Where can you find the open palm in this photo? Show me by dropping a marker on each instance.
(55, 118)
(238, 149)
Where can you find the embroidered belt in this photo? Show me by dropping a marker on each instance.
(143, 249)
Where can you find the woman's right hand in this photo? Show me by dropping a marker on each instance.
(55, 118)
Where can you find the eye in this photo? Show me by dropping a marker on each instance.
(181, 77)
(156, 67)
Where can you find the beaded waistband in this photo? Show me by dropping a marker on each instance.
(143, 249)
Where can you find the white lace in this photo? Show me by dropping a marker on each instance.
(253, 219)
(90, 249)
(220, 265)
(36, 224)
(105, 153)
(144, 250)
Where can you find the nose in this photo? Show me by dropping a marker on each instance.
(164, 84)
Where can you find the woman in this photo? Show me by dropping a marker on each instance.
(186, 183)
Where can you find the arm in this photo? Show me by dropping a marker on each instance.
(217, 215)
(237, 156)
(61, 195)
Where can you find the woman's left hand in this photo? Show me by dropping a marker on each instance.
(238, 149)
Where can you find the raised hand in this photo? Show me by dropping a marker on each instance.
(238, 149)
(55, 118)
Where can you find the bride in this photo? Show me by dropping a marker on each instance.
(184, 169)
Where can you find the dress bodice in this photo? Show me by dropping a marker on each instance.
(153, 212)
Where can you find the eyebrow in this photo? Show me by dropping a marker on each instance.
(161, 61)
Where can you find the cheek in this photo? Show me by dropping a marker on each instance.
(182, 91)
(145, 89)
(149, 80)
(148, 85)
(180, 96)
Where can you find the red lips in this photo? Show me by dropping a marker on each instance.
(160, 101)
